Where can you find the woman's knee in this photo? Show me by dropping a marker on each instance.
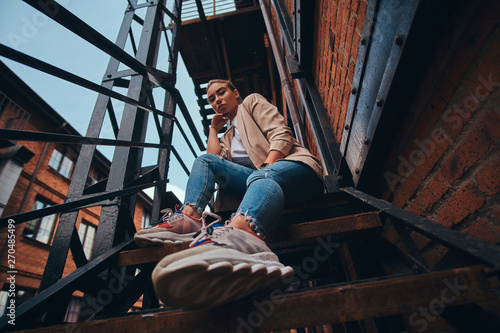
(205, 158)
(266, 175)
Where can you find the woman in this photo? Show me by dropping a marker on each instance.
(258, 162)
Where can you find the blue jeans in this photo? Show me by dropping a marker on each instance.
(263, 193)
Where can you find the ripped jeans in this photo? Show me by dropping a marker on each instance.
(263, 193)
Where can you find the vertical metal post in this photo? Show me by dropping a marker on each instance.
(66, 227)
(126, 160)
(285, 81)
(167, 124)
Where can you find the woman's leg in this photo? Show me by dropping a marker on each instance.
(269, 189)
(208, 170)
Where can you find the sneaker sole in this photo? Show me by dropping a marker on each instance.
(161, 238)
(199, 283)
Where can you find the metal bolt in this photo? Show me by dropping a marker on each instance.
(346, 127)
(298, 10)
(108, 76)
(380, 102)
(357, 171)
(363, 41)
(354, 91)
(299, 40)
(367, 141)
(399, 40)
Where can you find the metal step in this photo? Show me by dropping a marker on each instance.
(409, 294)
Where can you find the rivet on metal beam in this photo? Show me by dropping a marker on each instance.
(357, 171)
(367, 141)
(380, 102)
(346, 127)
(354, 91)
(399, 40)
(363, 41)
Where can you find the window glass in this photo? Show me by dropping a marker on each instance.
(86, 231)
(146, 219)
(55, 159)
(61, 163)
(40, 229)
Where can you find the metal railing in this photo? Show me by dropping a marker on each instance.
(214, 7)
(127, 177)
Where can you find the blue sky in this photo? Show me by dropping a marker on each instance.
(27, 30)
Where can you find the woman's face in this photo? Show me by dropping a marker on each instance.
(222, 99)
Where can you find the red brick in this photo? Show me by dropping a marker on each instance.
(434, 255)
(483, 230)
(415, 209)
(354, 6)
(465, 201)
(399, 199)
(410, 185)
(475, 145)
(420, 241)
(433, 148)
(391, 235)
(488, 179)
(456, 117)
(361, 17)
(433, 191)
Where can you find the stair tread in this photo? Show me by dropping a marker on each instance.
(322, 305)
(338, 228)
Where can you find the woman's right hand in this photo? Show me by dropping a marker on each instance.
(218, 121)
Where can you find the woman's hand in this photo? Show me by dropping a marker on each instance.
(218, 121)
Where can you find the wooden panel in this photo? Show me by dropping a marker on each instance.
(339, 228)
(335, 304)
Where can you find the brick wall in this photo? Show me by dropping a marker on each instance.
(31, 255)
(337, 33)
(446, 164)
(338, 28)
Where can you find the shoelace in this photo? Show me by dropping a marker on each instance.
(208, 231)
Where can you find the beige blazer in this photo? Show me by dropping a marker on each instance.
(262, 129)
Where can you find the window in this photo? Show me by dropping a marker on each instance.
(41, 229)
(21, 295)
(61, 163)
(86, 231)
(146, 219)
(73, 310)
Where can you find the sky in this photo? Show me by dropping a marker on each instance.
(27, 30)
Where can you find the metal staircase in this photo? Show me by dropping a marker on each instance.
(350, 275)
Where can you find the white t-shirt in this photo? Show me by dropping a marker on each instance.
(238, 152)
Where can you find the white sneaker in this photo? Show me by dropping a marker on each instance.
(174, 227)
(222, 265)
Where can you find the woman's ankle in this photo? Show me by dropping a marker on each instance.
(239, 222)
(191, 212)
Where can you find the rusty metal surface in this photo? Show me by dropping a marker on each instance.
(149, 254)
(339, 228)
(335, 304)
